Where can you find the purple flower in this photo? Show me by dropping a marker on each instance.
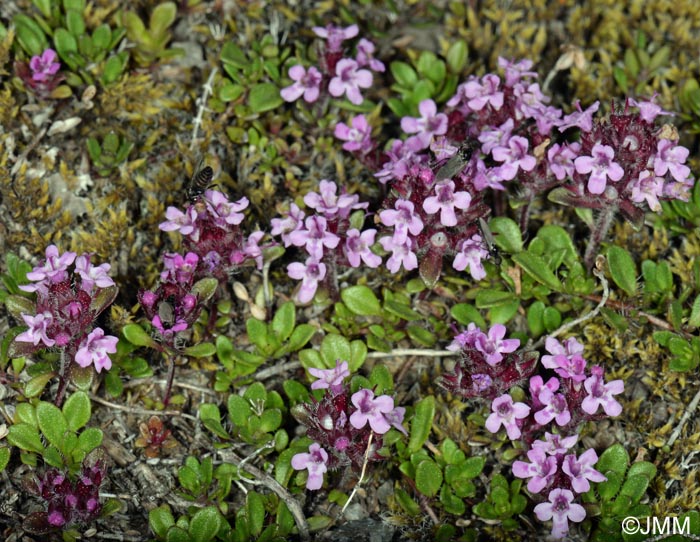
(475, 94)
(514, 157)
(471, 253)
(601, 394)
(292, 222)
(648, 110)
(357, 247)
(38, 326)
(600, 166)
(560, 509)
(224, 211)
(94, 349)
(581, 470)
(310, 274)
(92, 275)
(395, 418)
(429, 124)
(357, 138)
(555, 444)
(307, 83)
(555, 408)
(54, 270)
(330, 378)
(466, 338)
(179, 269)
(648, 188)
(327, 203)
(45, 66)
(371, 409)
(403, 219)
(252, 248)
(540, 470)
(507, 414)
(335, 35)
(349, 80)
(401, 254)
(314, 237)
(580, 119)
(175, 327)
(491, 137)
(493, 346)
(515, 71)
(365, 56)
(671, 158)
(182, 222)
(315, 462)
(445, 201)
(566, 359)
(560, 159)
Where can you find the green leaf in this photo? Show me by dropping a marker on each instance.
(335, 347)
(255, 511)
(492, 298)
(404, 74)
(52, 423)
(622, 269)
(204, 289)
(402, 310)
(557, 239)
(457, 56)
(506, 234)
(36, 385)
(421, 335)
(211, 418)
(694, 319)
(535, 318)
(264, 97)
(644, 468)
(361, 300)
(465, 314)
(76, 410)
(201, 350)
(300, 336)
(4, 457)
(205, 524)
(634, 487)
(428, 477)
(161, 18)
(17, 305)
(25, 437)
(136, 335)
(537, 268)
(614, 458)
(284, 321)
(421, 423)
(381, 380)
(177, 534)
(89, 439)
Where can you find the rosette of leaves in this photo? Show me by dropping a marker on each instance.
(113, 151)
(151, 42)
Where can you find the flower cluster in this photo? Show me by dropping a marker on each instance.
(490, 365)
(340, 75)
(331, 237)
(69, 502)
(41, 73)
(341, 424)
(71, 293)
(212, 235)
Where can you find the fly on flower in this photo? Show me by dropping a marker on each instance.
(489, 241)
(456, 164)
(200, 181)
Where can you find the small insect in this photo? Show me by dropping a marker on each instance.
(457, 162)
(490, 243)
(166, 312)
(199, 183)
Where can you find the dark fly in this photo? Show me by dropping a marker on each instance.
(199, 183)
(489, 242)
(457, 162)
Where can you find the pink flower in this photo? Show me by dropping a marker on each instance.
(91, 275)
(560, 509)
(182, 222)
(365, 56)
(555, 444)
(307, 83)
(329, 204)
(401, 254)
(506, 413)
(445, 201)
(371, 409)
(514, 156)
(178, 268)
(671, 157)
(471, 253)
(330, 378)
(224, 211)
(429, 124)
(579, 118)
(357, 138)
(94, 349)
(45, 66)
(310, 274)
(292, 222)
(404, 220)
(54, 270)
(648, 188)
(38, 326)
(600, 165)
(315, 462)
(581, 470)
(540, 470)
(335, 35)
(601, 394)
(560, 159)
(493, 346)
(358, 247)
(349, 79)
(315, 237)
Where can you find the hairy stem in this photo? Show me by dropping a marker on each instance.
(600, 231)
